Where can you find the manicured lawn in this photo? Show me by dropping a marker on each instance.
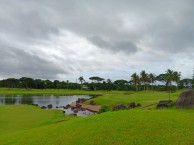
(143, 97)
(26, 124)
(151, 127)
(107, 98)
(22, 117)
(6, 91)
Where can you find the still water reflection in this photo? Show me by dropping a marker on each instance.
(56, 101)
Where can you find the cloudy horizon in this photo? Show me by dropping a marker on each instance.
(65, 39)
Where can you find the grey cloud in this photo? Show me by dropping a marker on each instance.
(114, 45)
(26, 21)
(35, 20)
(17, 63)
(163, 27)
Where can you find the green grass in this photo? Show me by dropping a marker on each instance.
(25, 124)
(22, 117)
(151, 127)
(142, 97)
(107, 98)
(16, 91)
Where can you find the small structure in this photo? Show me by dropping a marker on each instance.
(186, 100)
(85, 87)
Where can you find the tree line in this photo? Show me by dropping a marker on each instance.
(170, 80)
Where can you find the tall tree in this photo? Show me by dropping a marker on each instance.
(121, 84)
(152, 79)
(27, 82)
(176, 77)
(169, 77)
(81, 79)
(56, 84)
(95, 80)
(161, 78)
(108, 81)
(135, 80)
(144, 78)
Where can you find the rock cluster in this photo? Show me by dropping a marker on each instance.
(164, 104)
(123, 107)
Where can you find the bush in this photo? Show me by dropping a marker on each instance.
(138, 105)
(105, 108)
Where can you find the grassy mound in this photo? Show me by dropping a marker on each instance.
(120, 127)
(23, 117)
(25, 124)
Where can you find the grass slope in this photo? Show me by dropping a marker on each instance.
(151, 127)
(23, 117)
(143, 97)
(25, 124)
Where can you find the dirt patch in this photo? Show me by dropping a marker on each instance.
(93, 108)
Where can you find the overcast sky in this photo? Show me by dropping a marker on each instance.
(65, 39)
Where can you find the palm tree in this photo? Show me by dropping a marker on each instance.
(144, 78)
(169, 77)
(108, 81)
(81, 79)
(152, 79)
(135, 80)
(161, 78)
(177, 77)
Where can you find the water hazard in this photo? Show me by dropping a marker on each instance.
(57, 102)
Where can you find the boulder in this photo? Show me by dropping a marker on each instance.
(73, 107)
(78, 106)
(131, 105)
(43, 107)
(119, 107)
(75, 110)
(81, 100)
(35, 104)
(164, 104)
(49, 106)
(67, 106)
(186, 100)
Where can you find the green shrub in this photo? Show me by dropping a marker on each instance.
(105, 108)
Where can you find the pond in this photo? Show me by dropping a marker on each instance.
(57, 102)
